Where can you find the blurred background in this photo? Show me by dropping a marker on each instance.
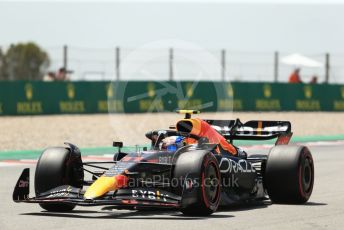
(249, 38)
(82, 60)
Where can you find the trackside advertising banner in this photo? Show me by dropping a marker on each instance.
(34, 98)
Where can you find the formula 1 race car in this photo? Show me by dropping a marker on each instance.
(192, 166)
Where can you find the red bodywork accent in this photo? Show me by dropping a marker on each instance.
(284, 139)
(130, 202)
(133, 159)
(122, 181)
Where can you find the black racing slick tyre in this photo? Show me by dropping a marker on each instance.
(58, 166)
(199, 174)
(289, 174)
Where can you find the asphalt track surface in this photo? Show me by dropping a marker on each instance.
(325, 210)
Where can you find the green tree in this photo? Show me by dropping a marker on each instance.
(2, 66)
(24, 61)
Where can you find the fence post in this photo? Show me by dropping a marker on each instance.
(171, 64)
(223, 64)
(276, 60)
(65, 57)
(118, 62)
(327, 68)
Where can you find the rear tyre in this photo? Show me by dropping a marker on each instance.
(199, 174)
(56, 167)
(289, 174)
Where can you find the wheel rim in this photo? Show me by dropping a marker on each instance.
(211, 183)
(307, 175)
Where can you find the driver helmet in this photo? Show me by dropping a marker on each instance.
(173, 143)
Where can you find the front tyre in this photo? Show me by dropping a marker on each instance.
(289, 174)
(199, 173)
(56, 167)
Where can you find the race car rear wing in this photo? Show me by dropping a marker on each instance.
(253, 130)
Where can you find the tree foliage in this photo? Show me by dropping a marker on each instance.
(2, 64)
(23, 61)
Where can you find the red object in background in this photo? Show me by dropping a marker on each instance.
(295, 78)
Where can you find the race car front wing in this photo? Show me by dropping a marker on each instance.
(66, 194)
